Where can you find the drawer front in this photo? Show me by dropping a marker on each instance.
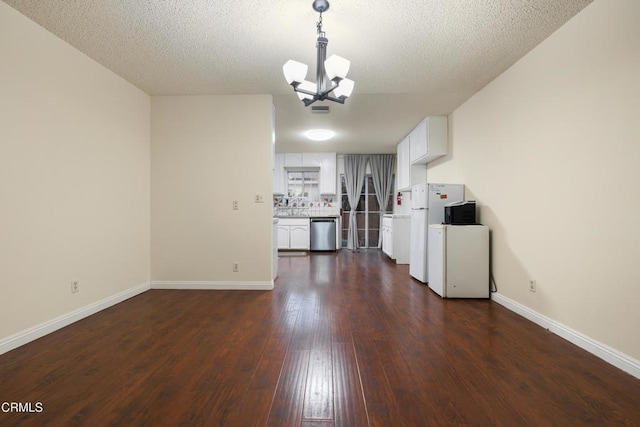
(294, 221)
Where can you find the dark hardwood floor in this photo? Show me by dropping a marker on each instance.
(344, 339)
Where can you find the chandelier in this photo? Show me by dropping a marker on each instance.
(331, 82)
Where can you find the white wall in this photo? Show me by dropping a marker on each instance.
(74, 178)
(206, 152)
(551, 151)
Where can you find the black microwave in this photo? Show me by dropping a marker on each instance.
(460, 213)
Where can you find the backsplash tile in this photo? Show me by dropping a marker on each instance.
(303, 206)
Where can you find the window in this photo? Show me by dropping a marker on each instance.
(303, 184)
(367, 214)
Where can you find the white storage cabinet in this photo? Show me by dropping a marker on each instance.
(328, 173)
(293, 233)
(387, 237)
(395, 237)
(429, 140)
(326, 162)
(403, 168)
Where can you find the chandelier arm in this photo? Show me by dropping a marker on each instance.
(308, 102)
(334, 99)
(319, 96)
(296, 89)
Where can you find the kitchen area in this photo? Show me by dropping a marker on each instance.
(436, 231)
(305, 202)
(415, 228)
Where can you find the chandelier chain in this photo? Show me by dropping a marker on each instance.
(319, 26)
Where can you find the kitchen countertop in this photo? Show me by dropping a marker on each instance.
(306, 211)
(306, 216)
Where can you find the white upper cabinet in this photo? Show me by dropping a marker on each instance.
(326, 162)
(311, 160)
(403, 168)
(429, 140)
(292, 159)
(418, 141)
(328, 173)
(426, 142)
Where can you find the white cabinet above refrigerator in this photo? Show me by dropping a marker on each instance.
(429, 140)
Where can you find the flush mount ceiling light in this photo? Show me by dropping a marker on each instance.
(319, 134)
(331, 82)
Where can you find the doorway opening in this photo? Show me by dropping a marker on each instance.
(368, 214)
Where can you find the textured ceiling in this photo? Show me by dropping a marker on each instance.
(408, 58)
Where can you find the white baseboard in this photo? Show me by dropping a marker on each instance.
(603, 351)
(21, 338)
(212, 286)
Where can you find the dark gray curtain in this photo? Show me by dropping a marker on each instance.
(382, 174)
(354, 170)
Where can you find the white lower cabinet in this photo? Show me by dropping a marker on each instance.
(283, 237)
(395, 237)
(293, 233)
(387, 240)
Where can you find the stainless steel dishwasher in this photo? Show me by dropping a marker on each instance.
(323, 234)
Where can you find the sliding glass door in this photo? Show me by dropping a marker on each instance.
(368, 214)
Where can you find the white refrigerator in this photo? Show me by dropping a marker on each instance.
(459, 260)
(427, 207)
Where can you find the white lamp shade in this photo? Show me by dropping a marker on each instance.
(308, 86)
(345, 88)
(336, 66)
(294, 71)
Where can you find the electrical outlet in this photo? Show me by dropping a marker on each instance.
(75, 286)
(236, 267)
(259, 198)
(532, 285)
(235, 205)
